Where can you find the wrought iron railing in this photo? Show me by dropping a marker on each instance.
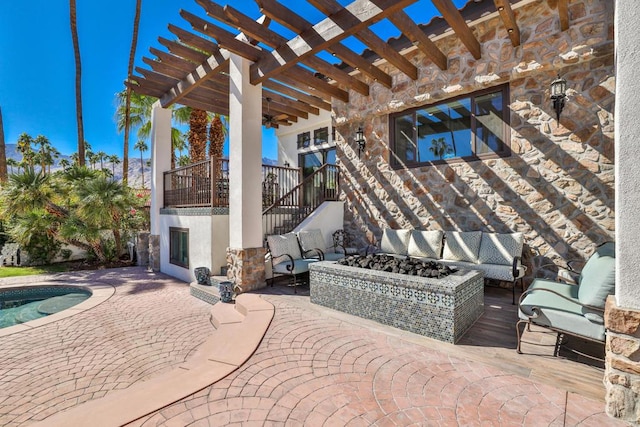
(193, 186)
(287, 212)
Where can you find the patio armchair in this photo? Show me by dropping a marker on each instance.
(571, 309)
(283, 251)
(313, 245)
(343, 242)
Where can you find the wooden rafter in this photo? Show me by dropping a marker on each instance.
(282, 108)
(345, 22)
(296, 94)
(453, 17)
(183, 51)
(274, 40)
(509, 20)
(303, 106)
(297, 24)
(192, 40)
(368, 37)
(563, 12)
(410, 29)
(174, 61)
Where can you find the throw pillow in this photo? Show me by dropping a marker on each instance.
(462, 246)
(497, 248)
(395, 241)
(425, 244)
(598, 277)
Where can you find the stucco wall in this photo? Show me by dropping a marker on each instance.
(202, 238)
(558, 184)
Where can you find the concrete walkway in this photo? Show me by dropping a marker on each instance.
(314, 367)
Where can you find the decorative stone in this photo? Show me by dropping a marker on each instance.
(246, 268)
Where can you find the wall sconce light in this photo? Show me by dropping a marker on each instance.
(360, 140)
(558, 94)
(287, 164)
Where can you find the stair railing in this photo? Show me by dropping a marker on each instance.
(287, 212)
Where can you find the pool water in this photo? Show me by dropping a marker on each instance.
(25, 304)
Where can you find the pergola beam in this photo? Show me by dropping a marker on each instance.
(509, 20)
(453, 17)
(563, 12)
(413, 32)
(345, 22)
(274, 40)
(368, 37)
(296, 23)
(183, 51)
(294, 93)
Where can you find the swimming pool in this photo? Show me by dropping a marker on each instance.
(20, 305)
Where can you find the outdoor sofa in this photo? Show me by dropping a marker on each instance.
(497, 255)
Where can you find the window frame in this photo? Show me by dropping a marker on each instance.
(506, 120)
(319, 132)
(172, 259)
(304, 139)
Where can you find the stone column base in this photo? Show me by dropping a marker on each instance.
(622, 364)
(245, 267)
(154, 252)
(142, 248)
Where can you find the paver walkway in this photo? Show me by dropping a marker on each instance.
(314, 367)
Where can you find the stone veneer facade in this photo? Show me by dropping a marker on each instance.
(557, 186)
(245, 267)
(622, 374)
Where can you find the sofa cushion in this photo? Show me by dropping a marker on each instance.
(497, 248)
(395, 241)
(310, 240)
(280, 244)
(462, 245)
(425, 244)
(559, 313)
(598, 277)
(299, 266)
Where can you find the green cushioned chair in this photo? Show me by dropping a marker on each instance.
(570, 309)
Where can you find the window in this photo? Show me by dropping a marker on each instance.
(470, 127)
(321, 136)
(304, 139)
(179, 246)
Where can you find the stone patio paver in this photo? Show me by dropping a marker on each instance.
(311, 368)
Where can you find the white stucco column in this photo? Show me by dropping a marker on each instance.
(160, 160)
(627, 148)
(245, 157)
(245, 255)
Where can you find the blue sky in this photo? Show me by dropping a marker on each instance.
(37, 70)
(37, 74)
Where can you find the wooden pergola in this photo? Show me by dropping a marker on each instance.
(295, 80)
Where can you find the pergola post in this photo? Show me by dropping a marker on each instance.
(161, 162)
(245, 255)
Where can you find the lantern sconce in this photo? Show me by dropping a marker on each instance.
(558, 94)
(360, 140)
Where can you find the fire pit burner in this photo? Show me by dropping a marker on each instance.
(410, 266)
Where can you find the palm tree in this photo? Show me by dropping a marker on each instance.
(439, 147)
(101, 157)
(3, 152)
(12, 163)
(76, 52)
(45, 152)
(198, 121)
(142, 146)
(115, 160)
(65, 164)
(127, 110)
(25, 148)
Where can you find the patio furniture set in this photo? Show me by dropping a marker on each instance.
(445, 308)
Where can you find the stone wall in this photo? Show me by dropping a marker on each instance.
(245, 267)
(557, 185)
(622, 374)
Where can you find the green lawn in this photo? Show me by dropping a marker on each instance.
(28, 271)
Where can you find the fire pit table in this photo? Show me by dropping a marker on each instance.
(440, 308)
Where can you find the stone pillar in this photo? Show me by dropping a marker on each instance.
(245, 255)
(622, 312)
(142, 249)
(160, 162)
(622, 374)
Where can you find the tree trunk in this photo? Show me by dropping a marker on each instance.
(127, 108)
(197, 135)
(3, 152)
(76, 52)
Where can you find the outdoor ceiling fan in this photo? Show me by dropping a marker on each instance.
(273, 121)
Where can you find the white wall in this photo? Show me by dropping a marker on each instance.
(627, 146)
(205, 234)
(288, 137)
(328, 218)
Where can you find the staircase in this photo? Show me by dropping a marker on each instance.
(286, 213)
